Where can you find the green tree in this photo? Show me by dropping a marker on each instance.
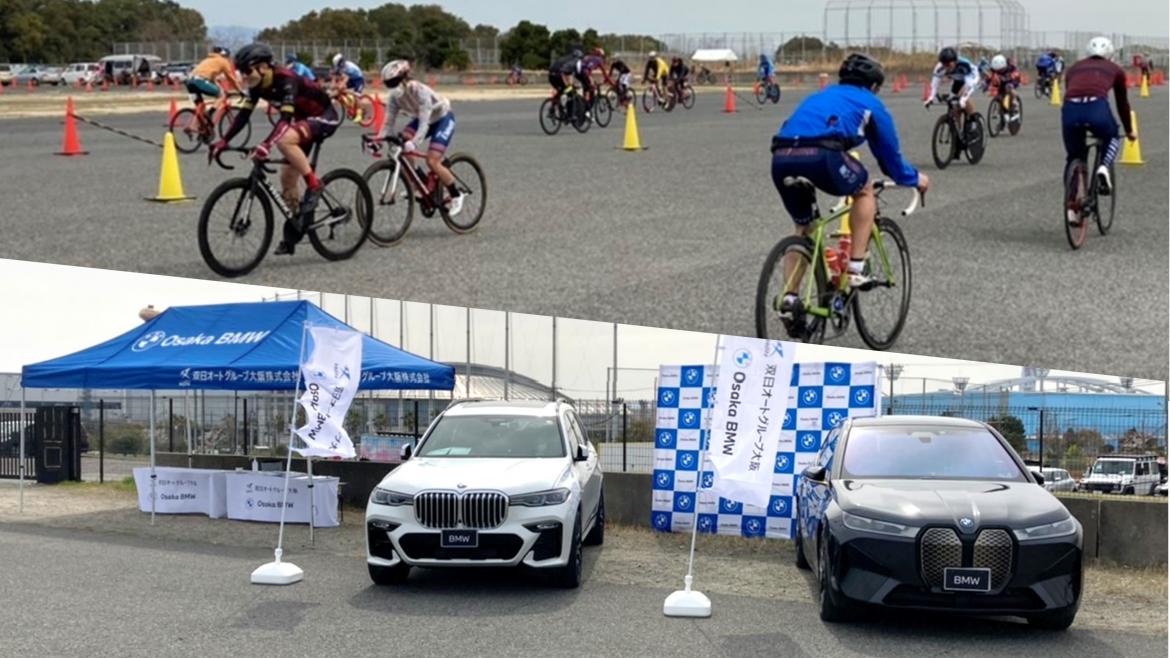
(1012, 429)
(527, 44)
(562, 42)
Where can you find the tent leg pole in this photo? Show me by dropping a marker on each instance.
(153, 474)
(312, 504)
(20, 466)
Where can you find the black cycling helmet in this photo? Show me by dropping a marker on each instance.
(948, 55)
(253, 54)
(220, 50)
(862, 71)
(577, 53)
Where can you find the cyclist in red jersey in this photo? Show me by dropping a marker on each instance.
(1086, 108)
(306, 116)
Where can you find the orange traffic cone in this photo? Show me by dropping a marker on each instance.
(105, 85)
(71, 144)
(925, 90)
(824, 80)
(172, 112)
(31, 87)
(89, 86)
(729, 102)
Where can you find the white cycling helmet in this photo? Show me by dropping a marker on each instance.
(394, 71)
(338, 59)
(652, 54)
(998, 63)
(1100, 47)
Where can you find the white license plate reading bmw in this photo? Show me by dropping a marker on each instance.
(967, 580)
(459, 539)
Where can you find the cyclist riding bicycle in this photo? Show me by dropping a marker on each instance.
(1057, 63)
(206, 75)
(594, 61)
(566, 69)
(677, 75)
(1086, 107)
(765, 72)
(984, 68)
(433, 118)
(963, 75)
(294, 64)
(306, 117)
(619, 71)
(347, 74)
(1045, 67)
(656, 72)
(1004, 75)
(814, 143)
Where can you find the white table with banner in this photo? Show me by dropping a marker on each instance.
(257, 496)
(183, 491)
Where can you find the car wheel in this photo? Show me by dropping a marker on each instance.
(832, 608)
(1056, 620)
(1128, 491)
(801, 560)
(395, 575)
(596, 536)
(569, 576)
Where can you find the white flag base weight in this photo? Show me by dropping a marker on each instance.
(687, 603)
(277, 572)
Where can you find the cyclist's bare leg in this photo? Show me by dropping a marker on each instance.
(435, 162)
(861, 217)
(298, 167)
(794, 265)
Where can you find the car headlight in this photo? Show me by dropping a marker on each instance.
(864, 524)
(391, 498)
(1048, 530)
(541, 498)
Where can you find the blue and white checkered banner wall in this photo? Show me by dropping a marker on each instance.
(821, 397)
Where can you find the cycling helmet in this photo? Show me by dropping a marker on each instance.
(652, 54)
(763, 57)
(577, 54)
(220, 50)
(998, 63)
(290, 58)
(1100, 47)
(338, 59)
(860, 70)
(394, 72)
(600, 52)
(948, 55)
(253, 54)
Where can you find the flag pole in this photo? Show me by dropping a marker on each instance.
(277, 572)
(688, 602)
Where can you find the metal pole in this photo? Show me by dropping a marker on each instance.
(613, 396)
(292, 421)
(153, 474)
(187, 413)
(507, 352)
(246, 441)
(698, 484)
(1040, 435)
(624, 427)
(170, 424)
(101, 441)
(20, 465)
(312, 502)
(401, 345)
(554, 357)
(467, 382)
(430, 349)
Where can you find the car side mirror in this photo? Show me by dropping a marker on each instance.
(405, 451)
(1039, 478)
(582, 454)
(815, 474)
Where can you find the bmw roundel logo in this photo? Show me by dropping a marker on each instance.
(782, 461)
(807, 440)
(250, 503)
(704, 523)
(779, 506)
(788, 417)
(692, 375)
(689, 418)
(708, 480)
(684, 502)
(861, 396)
(663, 479)
(836, 373)
(753, 525)
(835, 418)
(967, 523)
(687, 459)
(743, 358)
(148, 341)
(663, 438)
(667, 396)
(659, 520)
(810, 396)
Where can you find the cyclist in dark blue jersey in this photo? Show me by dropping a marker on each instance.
(814, 143)
(293, 63)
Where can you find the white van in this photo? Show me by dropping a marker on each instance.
(1123, 474)
(121, 69)
(82, 73)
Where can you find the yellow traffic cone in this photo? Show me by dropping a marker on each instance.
(1145, 93)
(1131, 152)
(631, 141)
(170, 183)
(1056, 92)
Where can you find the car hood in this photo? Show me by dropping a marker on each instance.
(511, 476)
(924, 502)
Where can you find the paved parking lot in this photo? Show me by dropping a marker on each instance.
(672, 236)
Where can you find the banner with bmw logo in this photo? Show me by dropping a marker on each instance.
(820, 396)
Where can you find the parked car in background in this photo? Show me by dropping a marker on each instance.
(177, 72)
(491, 484)
(7, 73)
(122, 69)
(1123, 474)
(38, 75)
(82, 73)
(934, 513)
(1162, 491)
(1058, 479)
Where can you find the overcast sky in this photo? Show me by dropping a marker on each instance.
(1137, 17)
(57, 310)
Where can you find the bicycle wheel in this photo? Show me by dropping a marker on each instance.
(232, 238)
(995, 118)
(688, 97)
(366, 110)
(550, 123)
(669, 101)
(774, 93)
(615, 104)
(184, 126)
(1074, 179)
(225, 123)
(943, 146)
(393, 210)
(1017, 116)
(881, 309)
(810, 285)
(649, 100)
(1105, 206)
(761, 93)
(577, 115)
(976, 145)
(602, 110)
(347, 208)
(473, 186)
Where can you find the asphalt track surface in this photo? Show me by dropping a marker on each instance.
(672, 236)
(90, 593)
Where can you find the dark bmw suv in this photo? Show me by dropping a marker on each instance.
(922, 512)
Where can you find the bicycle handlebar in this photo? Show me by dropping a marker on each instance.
(244, 152)
(918, 200)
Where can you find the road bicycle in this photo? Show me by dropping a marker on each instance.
(516, 78)
(950, 141)
(705, 76)
(684, 94)
(817, 272)
(1006, 110)
(1043, 87)
(195, 126)
(571, 110)
(236, 223)
(620, 99)
(653, 97)
(358, 108)
(602, 109)
(1083, 197)
(398, 184)
(767, 90)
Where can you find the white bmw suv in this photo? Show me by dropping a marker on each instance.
(491, 483)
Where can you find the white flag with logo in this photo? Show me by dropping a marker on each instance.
(332, 374)
(751, 397)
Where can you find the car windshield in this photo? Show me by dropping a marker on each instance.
(928, 453)
(1113, 467)
(488, 436)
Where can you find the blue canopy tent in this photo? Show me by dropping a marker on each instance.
(240, 347)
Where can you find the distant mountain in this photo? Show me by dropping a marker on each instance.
(232, 36)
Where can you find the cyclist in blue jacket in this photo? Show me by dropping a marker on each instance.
(765, 71)
(294, 64)
(815, 142)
